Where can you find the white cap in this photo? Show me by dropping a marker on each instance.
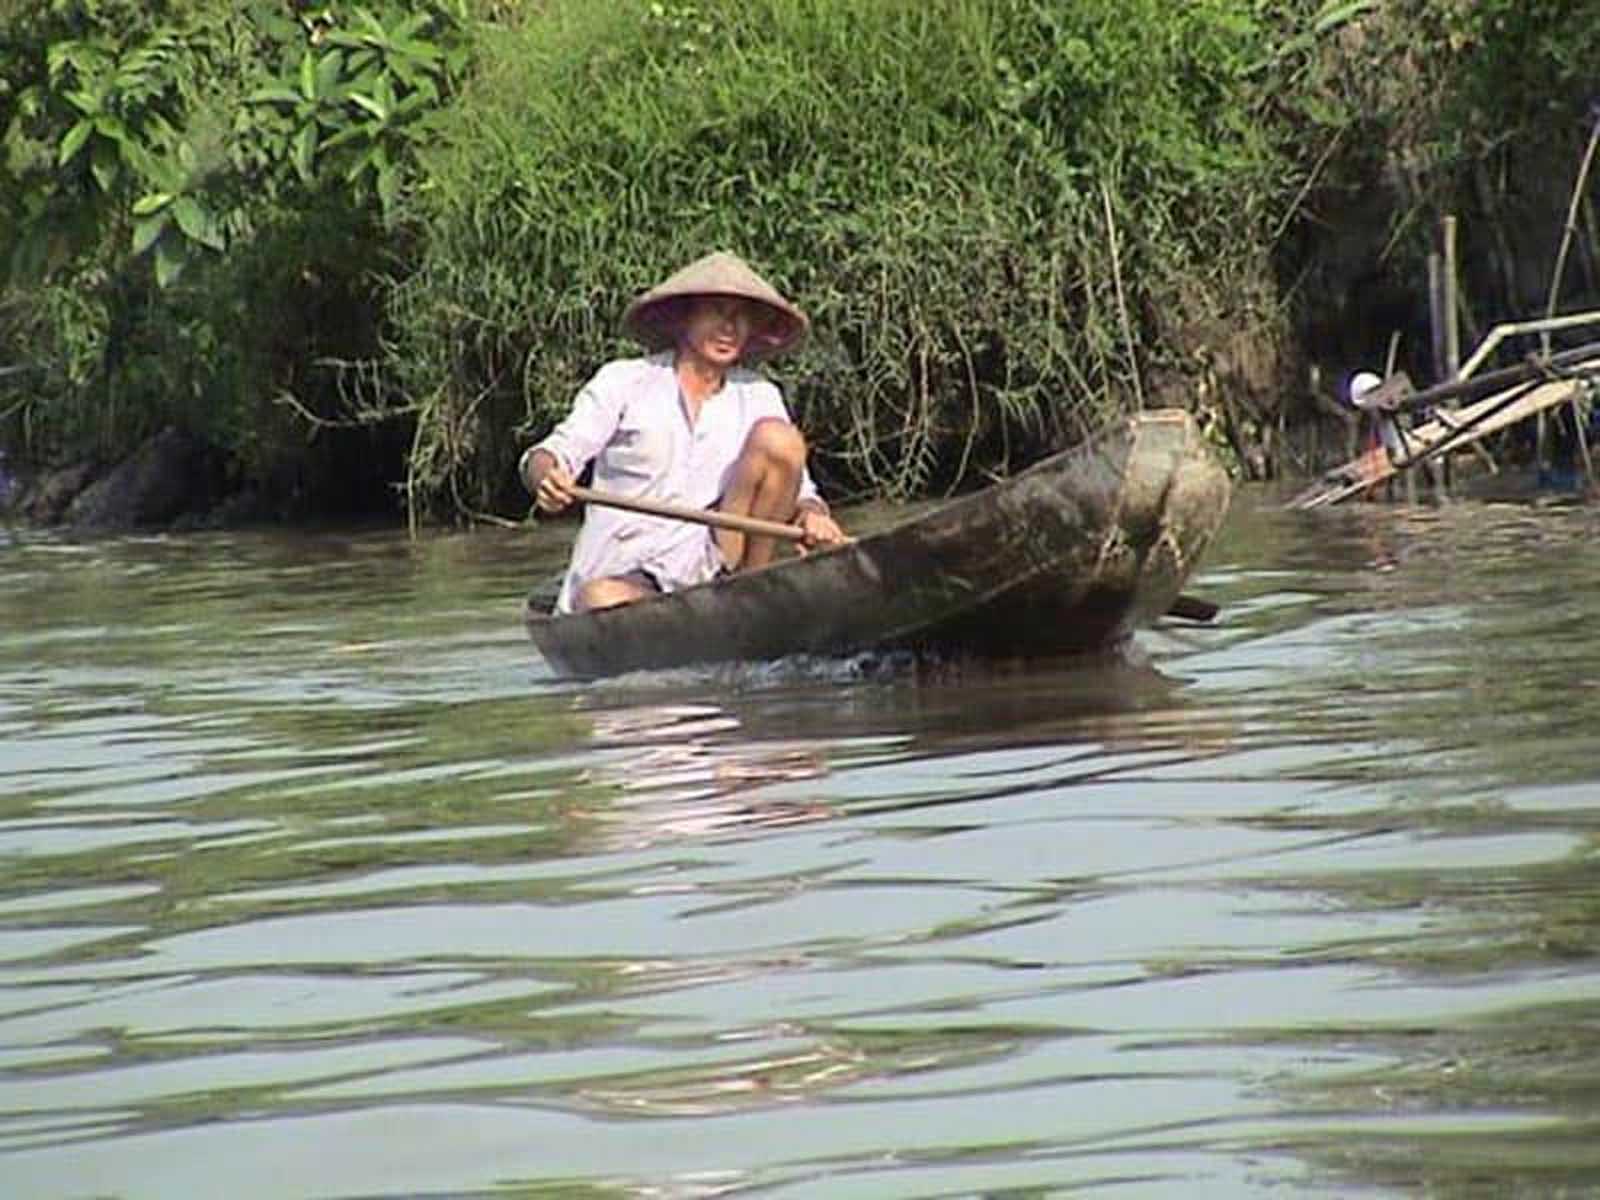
(1361, 383)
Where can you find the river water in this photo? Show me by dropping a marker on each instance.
(314, 883)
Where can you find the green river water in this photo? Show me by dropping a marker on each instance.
(314, 883)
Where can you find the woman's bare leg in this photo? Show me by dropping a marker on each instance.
(609, 591)
(765, 484)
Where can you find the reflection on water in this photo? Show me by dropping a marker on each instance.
(316, 884)
(692, 775)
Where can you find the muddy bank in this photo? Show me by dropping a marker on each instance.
(174, 479)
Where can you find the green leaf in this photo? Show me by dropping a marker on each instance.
(308, 76)
(157, 173)
(1339, 12)
(105, 165)
(350, 133)
(412, 26)
(210, 231)
(276, 94)
(404, 72)
(152, 203)
(73, 142)
(158, 130)
(370, 104)
(420, 51)
(374, 26)
(57, 56)
(111, 127)
(191, 217)
(27, 104)
(169, 263)
(329, 71)
(411, 103)
(305, 152)
(133, 70)
(148, 230)
(362, 162)
(86, 102)
(388, 187)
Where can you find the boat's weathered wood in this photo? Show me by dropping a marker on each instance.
(1188, 608)
(1070, 555)
(1449, 430)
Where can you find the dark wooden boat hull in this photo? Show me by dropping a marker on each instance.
(1071, 555)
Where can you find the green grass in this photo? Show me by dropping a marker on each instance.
(938, 182)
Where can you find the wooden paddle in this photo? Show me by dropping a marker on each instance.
(697, 516)
(1186, 607)
(1193, 608)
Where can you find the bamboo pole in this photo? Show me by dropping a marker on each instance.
(1518, 328)
(1122, 299)
(1568, 232)
(1436, 313)
(1438, 337)
(1452, 302)
(1439, 470)
(1580, 359)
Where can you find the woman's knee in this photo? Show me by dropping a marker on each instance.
(775, 438)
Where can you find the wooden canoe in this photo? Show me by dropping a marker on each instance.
(1071, 555)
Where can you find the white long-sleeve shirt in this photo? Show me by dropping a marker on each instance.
(630, 420)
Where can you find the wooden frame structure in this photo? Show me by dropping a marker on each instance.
(1498, 400)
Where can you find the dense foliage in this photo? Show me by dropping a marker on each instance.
(1479, 109)
(980, 202)
(366, 246)
(200, 200)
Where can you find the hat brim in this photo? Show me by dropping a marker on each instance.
(657, 324)
(657, 317)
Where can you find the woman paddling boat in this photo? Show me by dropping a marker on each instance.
(691, 423)
(1069, 556)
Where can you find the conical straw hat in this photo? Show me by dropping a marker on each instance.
(655, 317)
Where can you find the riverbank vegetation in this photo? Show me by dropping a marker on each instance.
(370, 252)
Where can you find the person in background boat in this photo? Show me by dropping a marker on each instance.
(1364, 398)
(690, 423)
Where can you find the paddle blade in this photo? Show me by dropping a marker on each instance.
(1193, 608)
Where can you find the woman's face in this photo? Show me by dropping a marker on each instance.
(717, 329)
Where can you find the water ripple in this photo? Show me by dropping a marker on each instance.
(317, 884)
